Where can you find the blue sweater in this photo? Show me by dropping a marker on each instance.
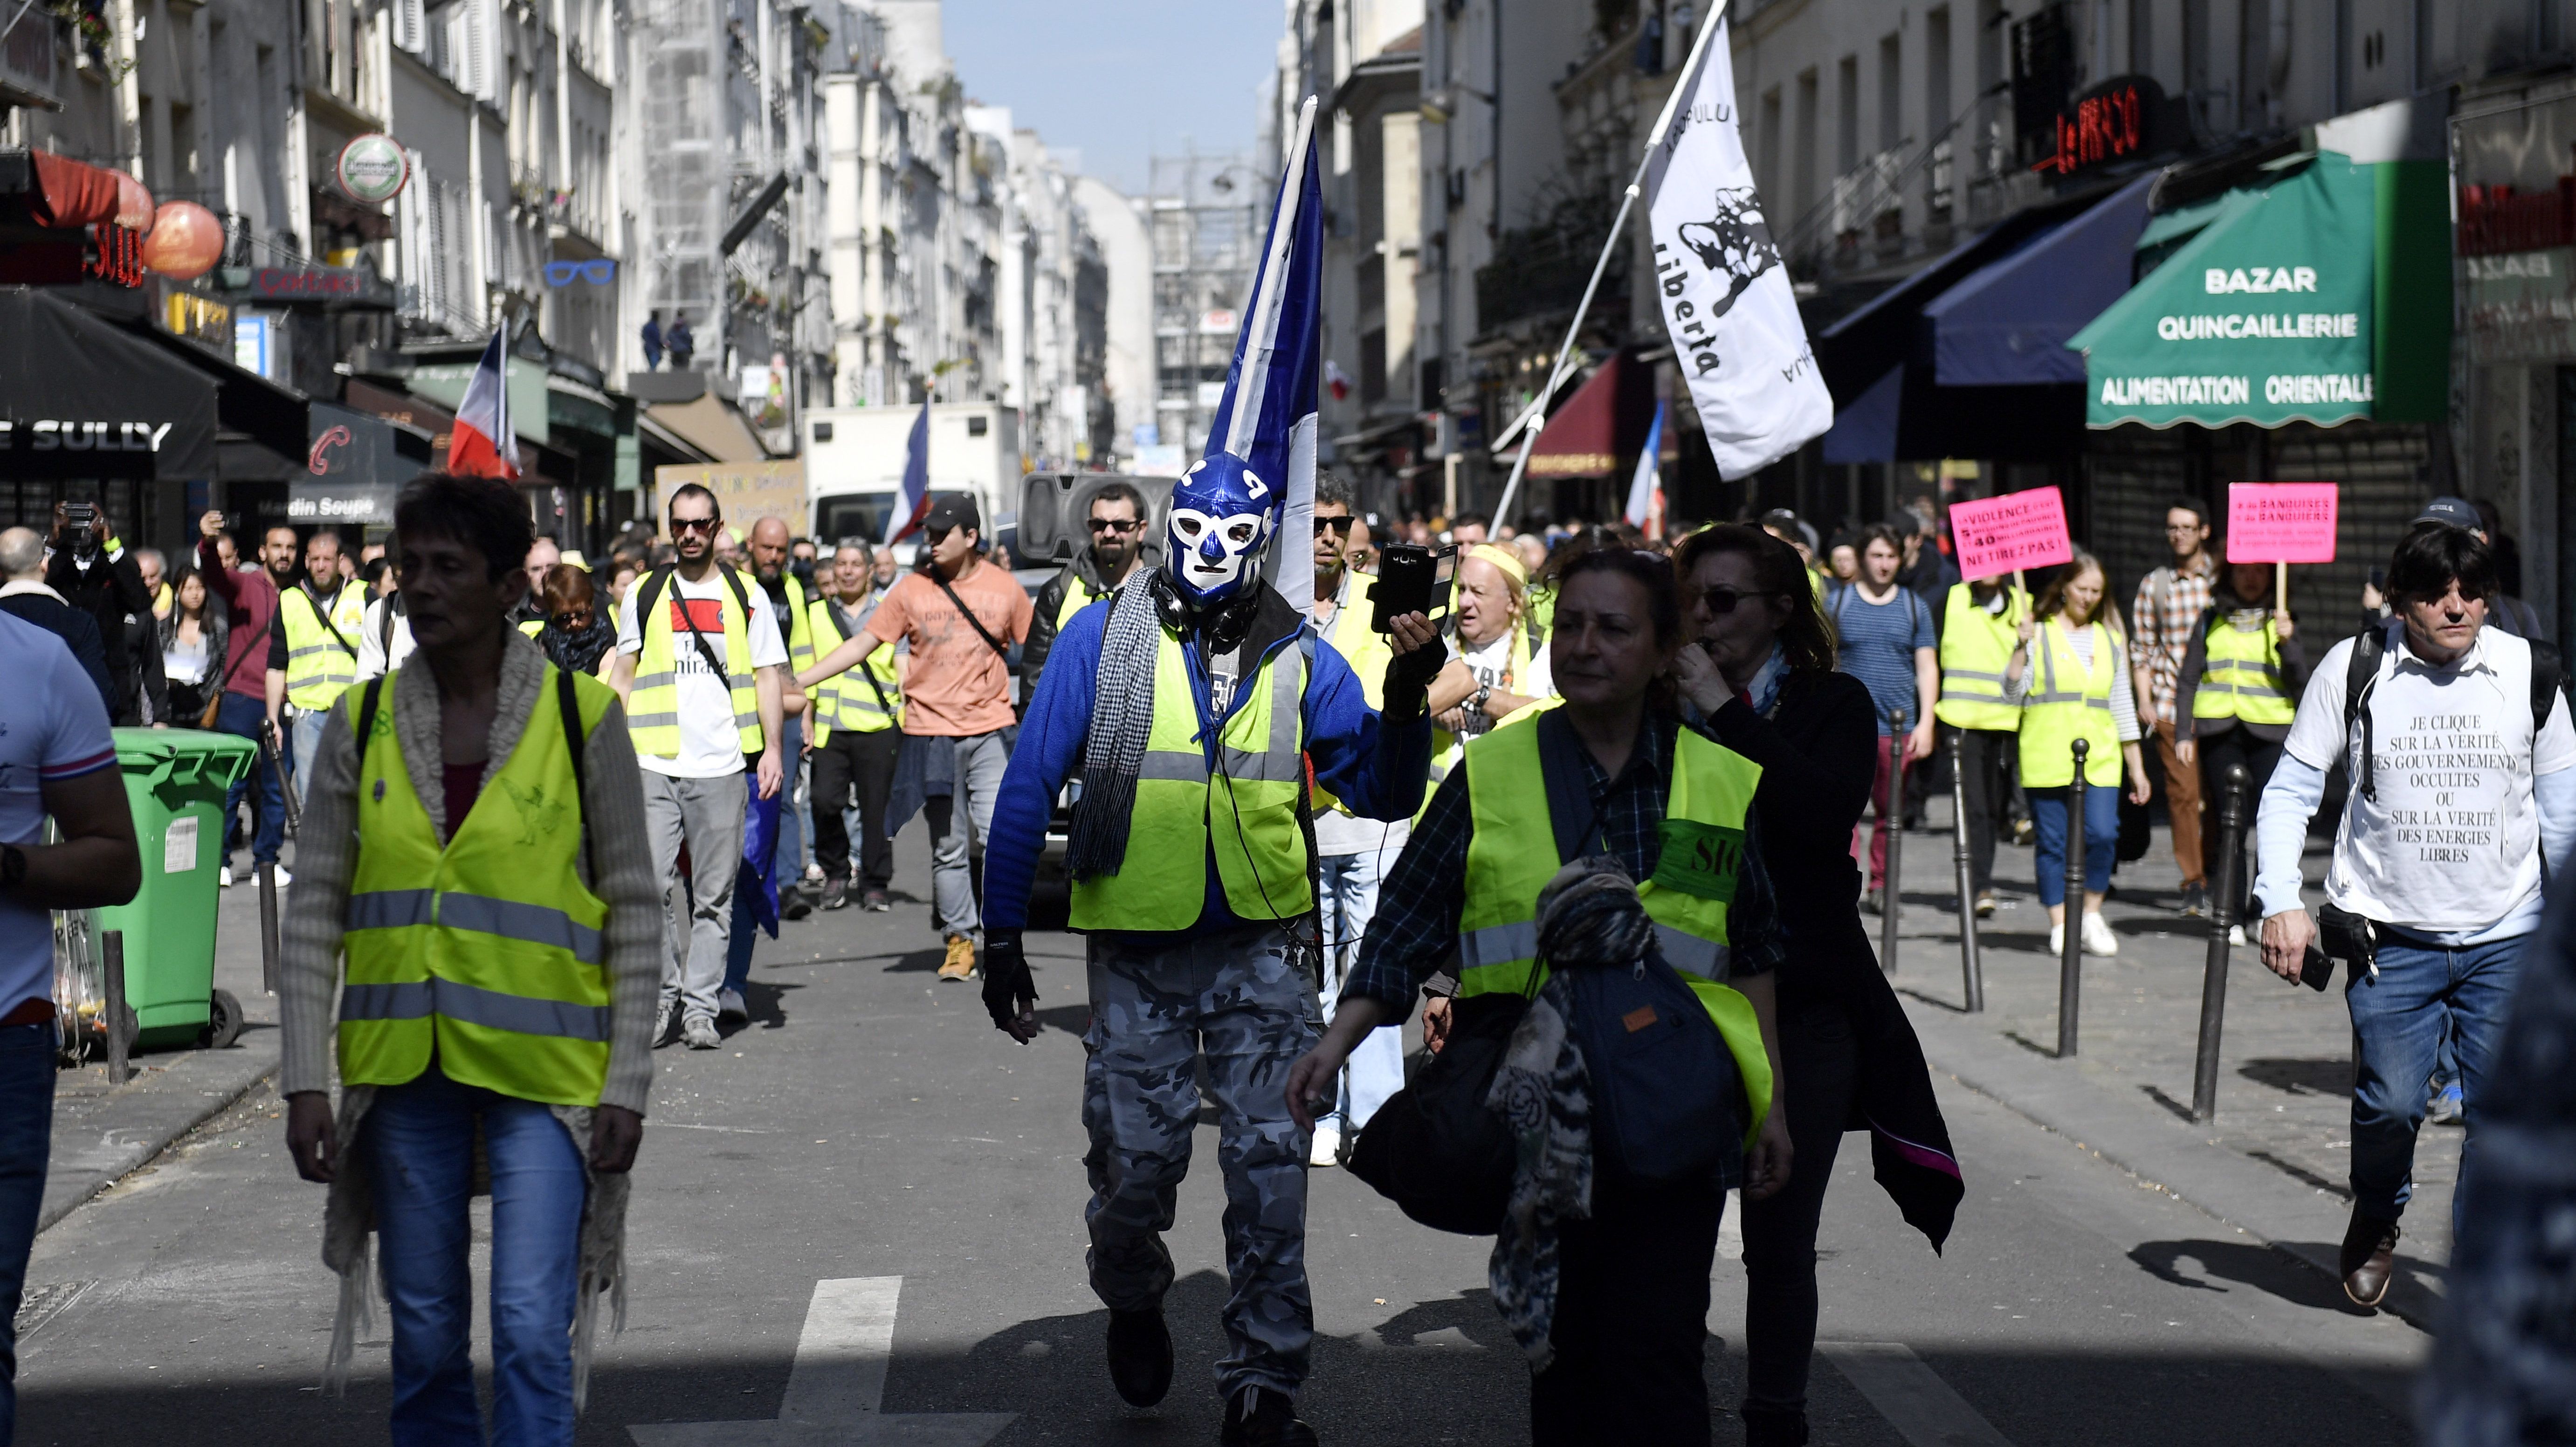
(1377, 771)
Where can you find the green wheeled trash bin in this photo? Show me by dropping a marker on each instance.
(175, 780)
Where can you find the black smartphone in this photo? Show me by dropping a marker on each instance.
(1413, 579)
(2316, 971)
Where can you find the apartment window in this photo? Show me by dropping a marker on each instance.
(1936, 111)
(1891, 92)
(1373, 366)
(2195, 60)
(2142, 36)
(2254, 61)
(1803, 183)
(1767, 141)
(1847, 115)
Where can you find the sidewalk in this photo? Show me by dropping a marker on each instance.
(2276, 1159)
(102, 1133)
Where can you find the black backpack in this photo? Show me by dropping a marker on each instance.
(2361, 679)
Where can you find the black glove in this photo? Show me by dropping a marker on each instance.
(1408, 680)
(1007, 982)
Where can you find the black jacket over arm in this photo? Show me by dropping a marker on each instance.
(1818, 751)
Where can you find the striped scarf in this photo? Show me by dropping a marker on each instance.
(1122, 717)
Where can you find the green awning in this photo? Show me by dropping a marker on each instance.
(2177, 224)
(2264, 317)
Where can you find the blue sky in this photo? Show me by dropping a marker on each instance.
(1119, 80)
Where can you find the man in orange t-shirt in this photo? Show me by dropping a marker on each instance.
(961, 615)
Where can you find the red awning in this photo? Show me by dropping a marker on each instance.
(1601, 427)
(71, 193)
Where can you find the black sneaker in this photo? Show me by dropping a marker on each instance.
(1773, 1426)
(792, 903)
(876, 901)
(1259, 1417)
(2195, 901)
(1140, 1356)
(836, 894)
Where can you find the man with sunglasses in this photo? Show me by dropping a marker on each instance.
(700, 667)
(1117, 525)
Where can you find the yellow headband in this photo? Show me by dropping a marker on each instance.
(1505, 559)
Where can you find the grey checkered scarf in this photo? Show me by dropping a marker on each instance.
(1122, 716)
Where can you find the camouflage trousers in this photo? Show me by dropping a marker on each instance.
(1244, 1002)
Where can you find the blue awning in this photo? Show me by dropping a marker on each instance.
(1865, 429)
(2007, 324)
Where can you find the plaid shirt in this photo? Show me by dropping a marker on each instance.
(2158, 636)
(1416, 927)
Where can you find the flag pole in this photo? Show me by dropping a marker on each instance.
(1618, 225)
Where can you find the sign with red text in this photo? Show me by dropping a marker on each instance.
(1995, 535)
(2280, 522)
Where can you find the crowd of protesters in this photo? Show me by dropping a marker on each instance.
(1610, 749)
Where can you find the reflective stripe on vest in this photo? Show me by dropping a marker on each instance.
(1512, 854)
(653, 702)
(2243, 677)
(1247, 818)
(2070, 700)
(318, 668)
(485, 951)
(1976, 647)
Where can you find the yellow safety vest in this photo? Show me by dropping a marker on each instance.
(653, 703)
(485, 951)
(848, 701)
(2243, 679)
(1078, 595)
(2066, 702)
(1512, 855)
(319, 665)
(531, 627)
(1975, 647)
(1365, 649)
(1248, 817)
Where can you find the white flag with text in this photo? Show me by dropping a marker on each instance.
(1735, 328)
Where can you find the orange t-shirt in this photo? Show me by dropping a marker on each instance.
(954, 683)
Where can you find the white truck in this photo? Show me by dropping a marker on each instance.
(854, 460)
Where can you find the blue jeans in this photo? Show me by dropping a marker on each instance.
(26, 1137)
(2400, 1014)
(1376, 1067)
(784, 868)
(421, 1138)
(303, 745)
(240, 715)
(2101, 839)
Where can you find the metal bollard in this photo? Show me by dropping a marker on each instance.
(112, 954)
(2224, 892)
(2070, 960)
(268, 928)
(1972, 973)
(273, 752)
(1895, 819)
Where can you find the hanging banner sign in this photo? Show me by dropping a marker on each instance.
(373, 169)
(2281, 522)
(1997, 535)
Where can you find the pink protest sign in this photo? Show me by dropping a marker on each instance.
(2280, 522)
(2016, 530)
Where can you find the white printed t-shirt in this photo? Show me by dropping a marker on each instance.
(710, 742)
(53, 726)
(2452, 843)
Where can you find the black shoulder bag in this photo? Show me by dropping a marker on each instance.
(1433, 1148)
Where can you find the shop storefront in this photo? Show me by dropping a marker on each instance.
(2514, 158)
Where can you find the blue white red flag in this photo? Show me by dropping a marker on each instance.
(913, 502)
(483, 444)
(1646, 490)
(1267, 415)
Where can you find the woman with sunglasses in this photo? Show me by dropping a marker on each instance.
(1760, 679)
(577, 636)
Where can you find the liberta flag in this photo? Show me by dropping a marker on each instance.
(913, 502)
(1646, 491)
(1267, 415)
(483, 444)
(1735, 328)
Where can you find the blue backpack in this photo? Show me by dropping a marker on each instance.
(1663, 1085)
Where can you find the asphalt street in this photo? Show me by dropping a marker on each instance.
(870, 1126)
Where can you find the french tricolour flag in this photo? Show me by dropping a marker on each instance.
(483, 444)
(904, 518)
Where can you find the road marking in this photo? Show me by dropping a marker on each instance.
(1911, 1396)
(836, 1386)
